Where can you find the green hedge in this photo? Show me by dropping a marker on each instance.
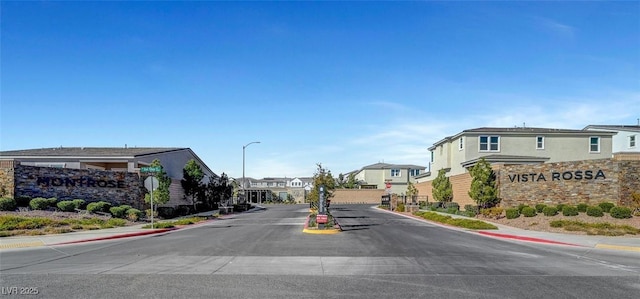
(620, 212)
(40, 203)
(66, 206)
(550, 211)
(540, 207)
(595, 211)
(512, 213)
(79, 203)
(100, 206)
(529, 212)
(570, 211)
(606, 206)
(7, 204)
(134, 214)
(582, 207)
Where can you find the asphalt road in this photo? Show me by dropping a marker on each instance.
(265, 254)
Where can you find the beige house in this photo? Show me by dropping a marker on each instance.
(509, 146)
(394, 177)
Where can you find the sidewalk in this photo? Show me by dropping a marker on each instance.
(627, 243)
(103, 234)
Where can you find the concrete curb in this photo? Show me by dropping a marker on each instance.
(333, 231)
(528, 239)
(127, 235)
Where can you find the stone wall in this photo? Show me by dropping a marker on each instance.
(88, 184)
(6, 178)
(352, 196)
(589, 181)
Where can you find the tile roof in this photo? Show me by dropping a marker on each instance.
(614, 127)
(89, 151)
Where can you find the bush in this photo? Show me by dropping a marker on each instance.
(520, 207)
(118, 212)
(540, 207)
(620, 212)
(423, 204)
(529, 212)
(451, 206)
(560, 206)
(606, 206)
(550, 211)
(39, 203)
(494, 212)
(79, 203)
(400, 207)
(166, 212)
(134, 214)
(7, 204)
(570, 211)
(472, 208)
(582, 207)
(66, 206)
(512, 213)
(595, 211)
(101, 206)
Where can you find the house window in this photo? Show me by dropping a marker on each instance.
(632, 141)
(540, 142)
(460, 144)
(431, 156)
(414, 172)
(395, 172)
(490, 143)
(594, 144)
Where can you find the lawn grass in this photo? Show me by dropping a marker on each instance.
(459, 222)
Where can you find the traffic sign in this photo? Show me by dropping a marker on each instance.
(321, 219)
(151, 169)
(151, 183)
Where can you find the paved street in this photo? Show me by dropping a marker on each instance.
(265, 254)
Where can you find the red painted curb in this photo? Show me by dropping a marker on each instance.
(530, 239)
(156, 231)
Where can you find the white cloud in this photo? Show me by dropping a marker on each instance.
(555, 26)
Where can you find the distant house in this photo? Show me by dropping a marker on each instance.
(383, 175)
(509, 146)
(626, 139)
(124, 159)
(262, 190)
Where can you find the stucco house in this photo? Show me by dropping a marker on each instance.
(509, 146)
(625, 141)
(384, 175)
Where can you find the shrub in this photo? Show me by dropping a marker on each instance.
(606, 206)
(134, 214)
(529, 212)
(7, 204)
(540, 207)
(466, 223)
(118, 212)
(550, 211)
(423, 204)
(582, 207)
(595, 211)
(100, 206)
(512, 213)
(620, 212)
(79, 203)
(66, 206)
(494, 212)
(126, 207)
(451, 206)
(570, 211)
(472, 208)
(39, 203)
(400, 207)
(560, 206)
(116, 222)
(520, 207)
(166, 212)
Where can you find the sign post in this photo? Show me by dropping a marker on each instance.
(321, 217)
(151, 183)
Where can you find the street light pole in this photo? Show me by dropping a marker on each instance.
(243, 182)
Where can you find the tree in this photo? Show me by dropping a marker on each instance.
(160, 195)
(349, 183)
(483, 184)
(192, 176)
(442, 189)
(411, 190)
(322, 177)
(218, 189)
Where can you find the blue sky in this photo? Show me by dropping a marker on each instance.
(345, 84)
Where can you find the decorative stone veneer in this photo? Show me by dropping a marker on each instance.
(589, 181)
(117, 188)
(6, 178)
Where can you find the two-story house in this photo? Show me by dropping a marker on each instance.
(625, 142)
(508, 146)
(394, 177)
